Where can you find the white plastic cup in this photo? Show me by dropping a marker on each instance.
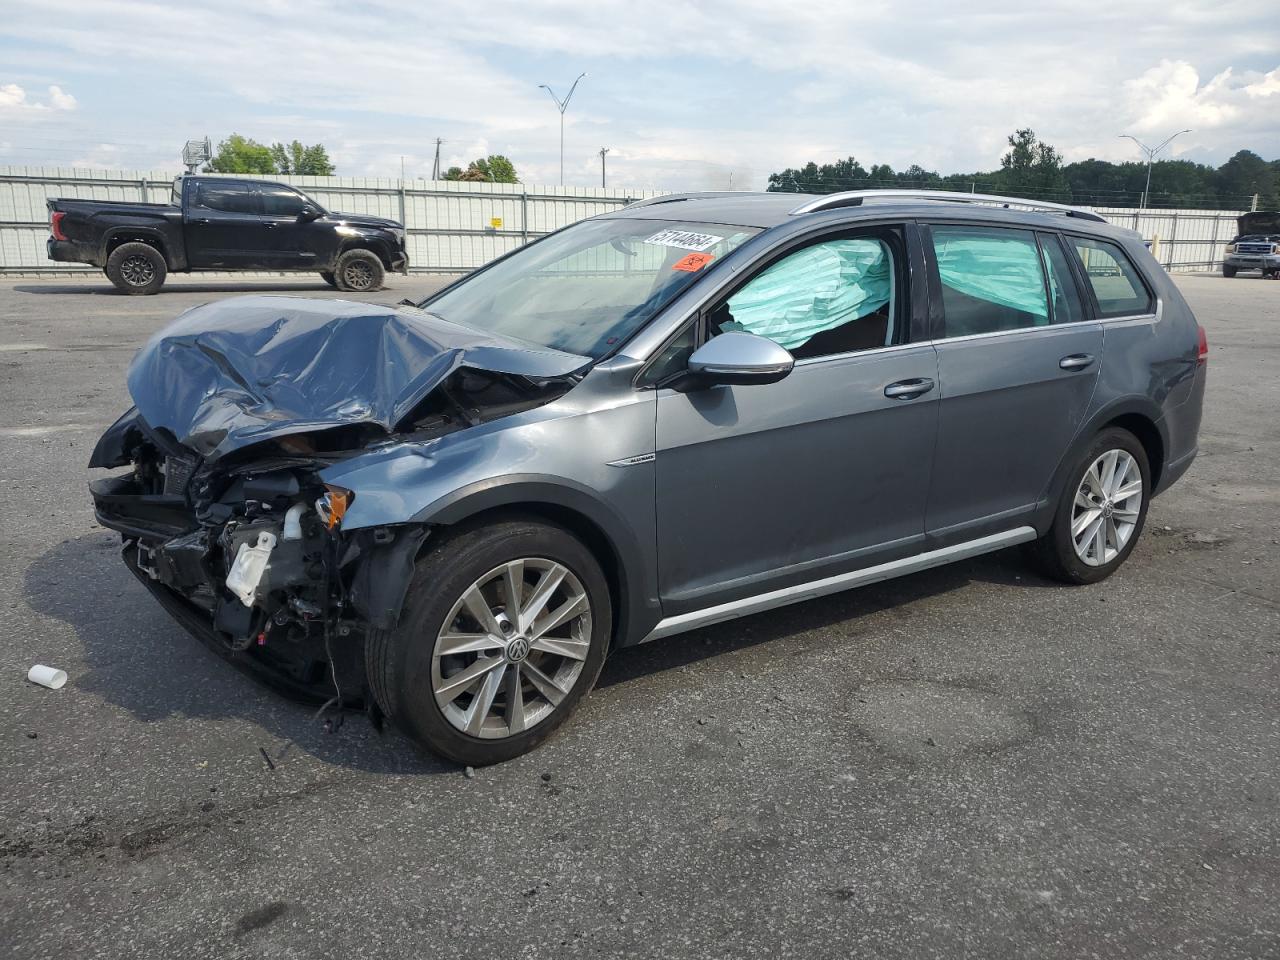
(50, 677)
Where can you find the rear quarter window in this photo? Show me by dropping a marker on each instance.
(1117, 285)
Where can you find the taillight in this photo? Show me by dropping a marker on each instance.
(55, 225)
(1202, 350)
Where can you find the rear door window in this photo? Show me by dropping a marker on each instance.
(992, 279)
(226, 197)
(1117, 286)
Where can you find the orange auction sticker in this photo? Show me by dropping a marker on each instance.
(693, 262)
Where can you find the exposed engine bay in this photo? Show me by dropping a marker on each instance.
(235, 532)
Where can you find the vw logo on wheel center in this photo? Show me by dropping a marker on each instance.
(517, 649)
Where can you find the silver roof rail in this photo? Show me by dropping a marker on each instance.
(854, 198)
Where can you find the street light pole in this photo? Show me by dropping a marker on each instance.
(1151, 154)
(562, 105)
(603, 151)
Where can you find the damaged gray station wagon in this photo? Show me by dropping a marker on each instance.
(694, 408)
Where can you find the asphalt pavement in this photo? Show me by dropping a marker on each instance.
(967, 762)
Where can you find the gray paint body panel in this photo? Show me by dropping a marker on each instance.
(753, 481)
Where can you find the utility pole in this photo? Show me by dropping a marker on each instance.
(1151, 153)
(562, 105)
(435, 168)
(603, 151)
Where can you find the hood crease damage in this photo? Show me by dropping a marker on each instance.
(225, 376)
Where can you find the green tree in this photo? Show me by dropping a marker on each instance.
(238, 154)
(1032, 168)
(846, 174)
(1245, 174)
(494, 168)
(295, 158)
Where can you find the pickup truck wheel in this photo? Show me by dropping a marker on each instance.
(136, 268)
(359, 271)
(503, 631)
(1228, 272)
(328, 277)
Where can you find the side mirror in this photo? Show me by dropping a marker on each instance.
(308, 213)
(739, 357)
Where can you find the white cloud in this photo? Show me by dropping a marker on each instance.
(13, 97)
(60, 100)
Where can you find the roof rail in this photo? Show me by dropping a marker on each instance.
(676, 197)
(854, 198)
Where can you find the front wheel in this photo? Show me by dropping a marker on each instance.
(503, 631)
(1101, 511)
(359, 271)
(1228, 272)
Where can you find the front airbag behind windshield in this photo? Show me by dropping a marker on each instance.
(237, 372)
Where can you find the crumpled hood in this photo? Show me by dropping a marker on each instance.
(228, 374)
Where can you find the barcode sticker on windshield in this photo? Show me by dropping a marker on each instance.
(684, 239)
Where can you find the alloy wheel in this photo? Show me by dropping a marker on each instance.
(1107, 506)
(137, 271)
(358, 275)
(512, 648)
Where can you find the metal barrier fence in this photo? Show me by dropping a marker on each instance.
(454, 227)
(451, 227)
(1182, 240)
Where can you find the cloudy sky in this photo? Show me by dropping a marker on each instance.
(684, 94)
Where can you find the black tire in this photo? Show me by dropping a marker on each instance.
(136, 268)
(1228, 272)
(1055, 552)
(359, 271)
(399, 662)
(328, 277)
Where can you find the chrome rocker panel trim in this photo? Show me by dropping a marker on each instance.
(670, 626)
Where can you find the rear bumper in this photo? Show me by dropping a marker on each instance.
(68, 251)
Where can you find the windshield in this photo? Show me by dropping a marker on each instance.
(588, 288)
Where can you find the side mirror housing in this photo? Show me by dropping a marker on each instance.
(740, 358)
(308, 213)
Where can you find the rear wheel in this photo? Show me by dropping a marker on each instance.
(503, 632)
(136, 268)
(328, 277)
(1101, 511)
(1228, 272)
(359, 271)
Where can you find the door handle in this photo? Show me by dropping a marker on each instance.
(269, 225)
(1076, 361)
(908, 389)
(200, 220)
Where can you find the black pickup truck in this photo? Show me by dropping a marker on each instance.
(220, 223)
